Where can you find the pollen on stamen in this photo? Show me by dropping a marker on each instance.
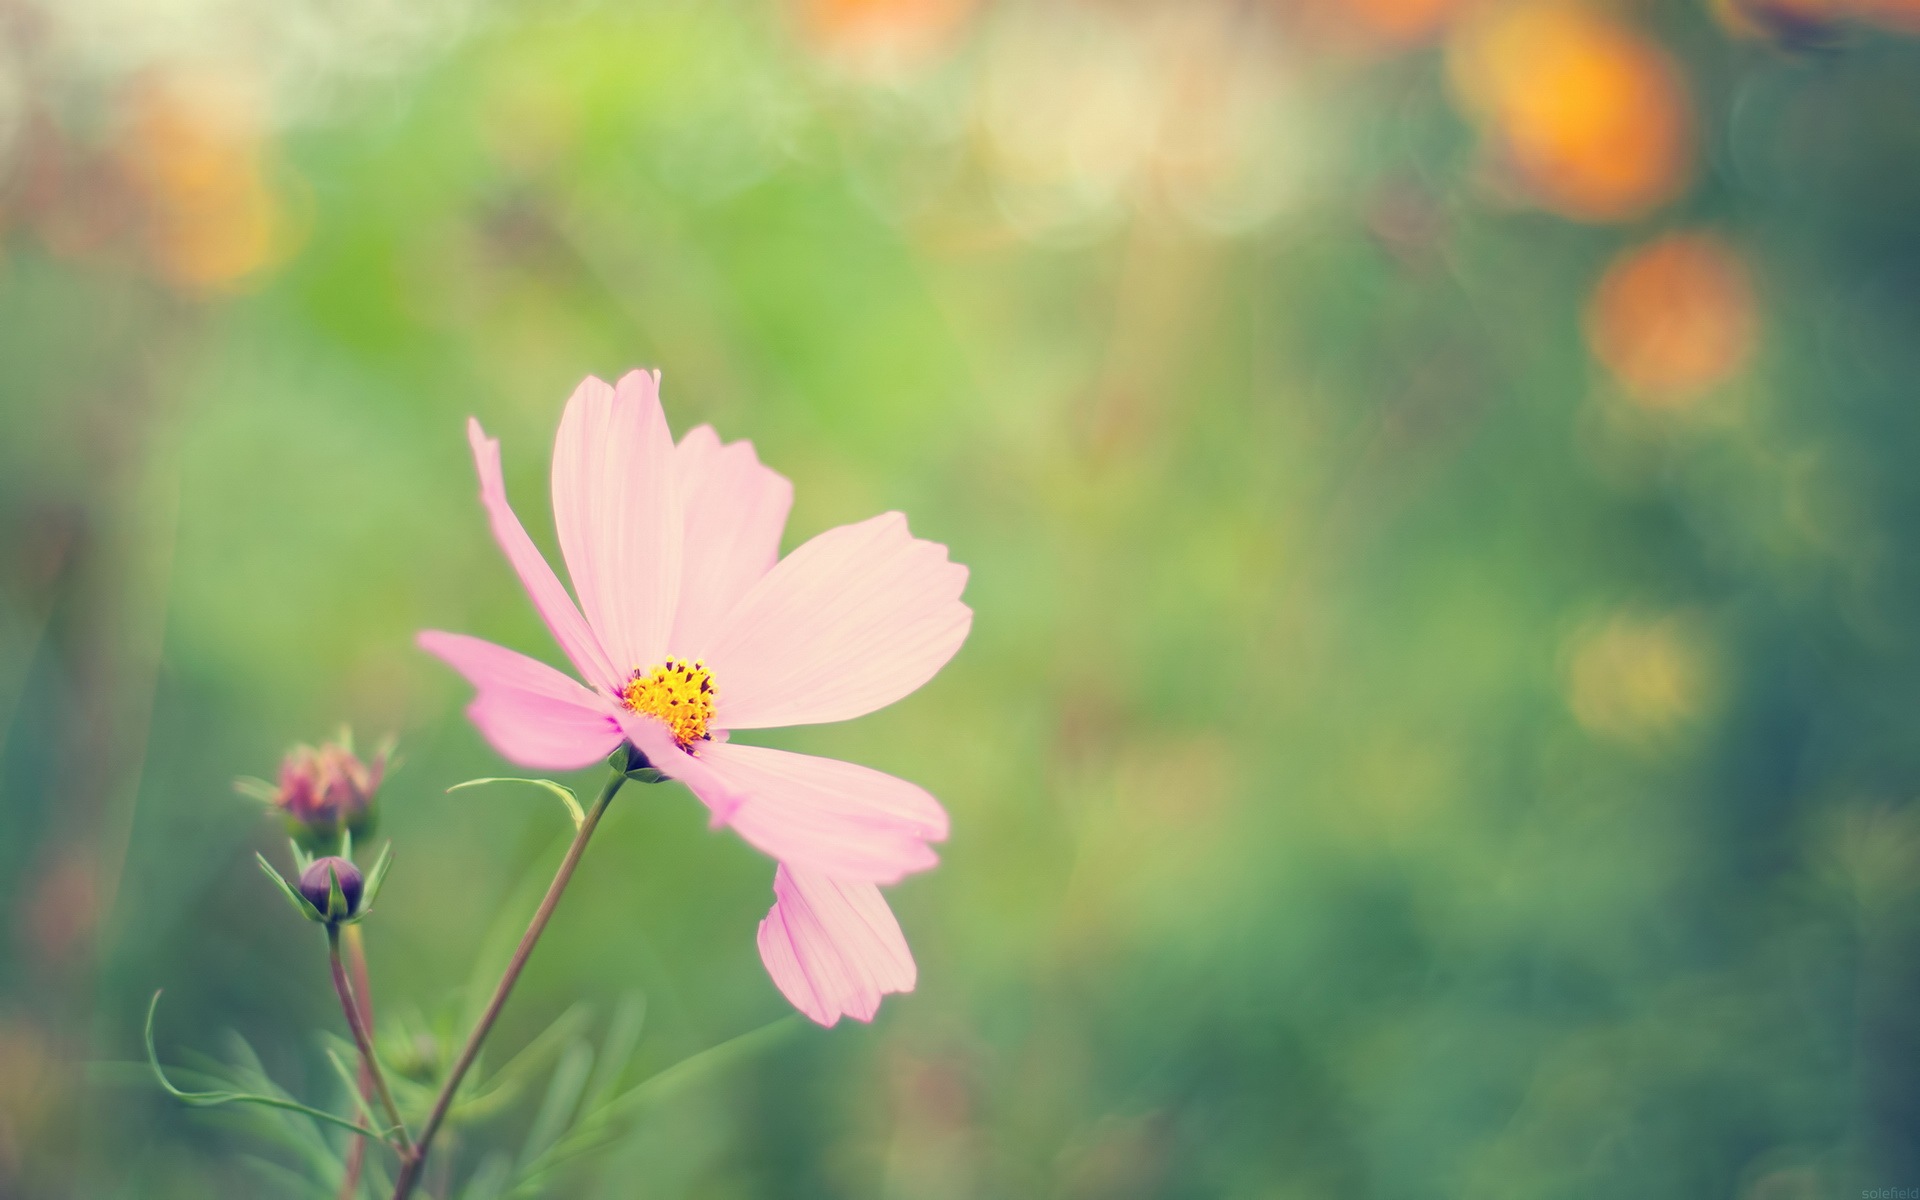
(680, 693)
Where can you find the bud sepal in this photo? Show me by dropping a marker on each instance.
(628, 759)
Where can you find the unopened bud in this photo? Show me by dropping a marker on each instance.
(327, 791)
(316, 884)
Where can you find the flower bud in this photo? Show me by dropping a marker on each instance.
(316, 884)
(326, 791)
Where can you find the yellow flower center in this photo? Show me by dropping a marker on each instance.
(680, 693)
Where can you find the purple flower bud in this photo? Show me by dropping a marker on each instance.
(316, 884)
(325, 791)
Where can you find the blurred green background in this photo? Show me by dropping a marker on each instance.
(1440, 486)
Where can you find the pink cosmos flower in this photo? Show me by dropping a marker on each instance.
(693, 626)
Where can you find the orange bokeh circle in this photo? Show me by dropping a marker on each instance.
(1673, 318)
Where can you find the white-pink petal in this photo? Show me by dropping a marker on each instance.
(532, 714)
(833, 948)
(735, 510)
(824, 815)
(617, 508)
(556, 608)
(850, 622)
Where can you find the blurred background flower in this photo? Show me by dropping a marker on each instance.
(1581, 112)
(191, 150)
(1438, 483)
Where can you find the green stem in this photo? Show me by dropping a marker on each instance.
(364, 1039)
(414, 1162)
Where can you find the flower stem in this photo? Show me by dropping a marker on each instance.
(364, 1040)
(413, 1162)
(363, 992)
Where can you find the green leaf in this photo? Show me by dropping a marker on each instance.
(353, 1086)
(255, 788)
(375, 878)
(479, 1099)
(490, 1181)
(616, 1052)
(594, 1128)
(565, 793)
(282, 1180)
(300, 903)
(689, 1070)
(213, 1099)
(556, 1110)
(309, 1140)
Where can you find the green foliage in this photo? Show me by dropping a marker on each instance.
(603, 1123)
(582, 1111)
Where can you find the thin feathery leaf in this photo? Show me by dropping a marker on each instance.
(211, 1099)
(594, 1129)
(563, 1093)
(691, 1069)
(492, 1092)
(352, 1081)
(299, 1133)
(285, 1181)
(565, 793)
(490, 1181)
(616, 1052)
